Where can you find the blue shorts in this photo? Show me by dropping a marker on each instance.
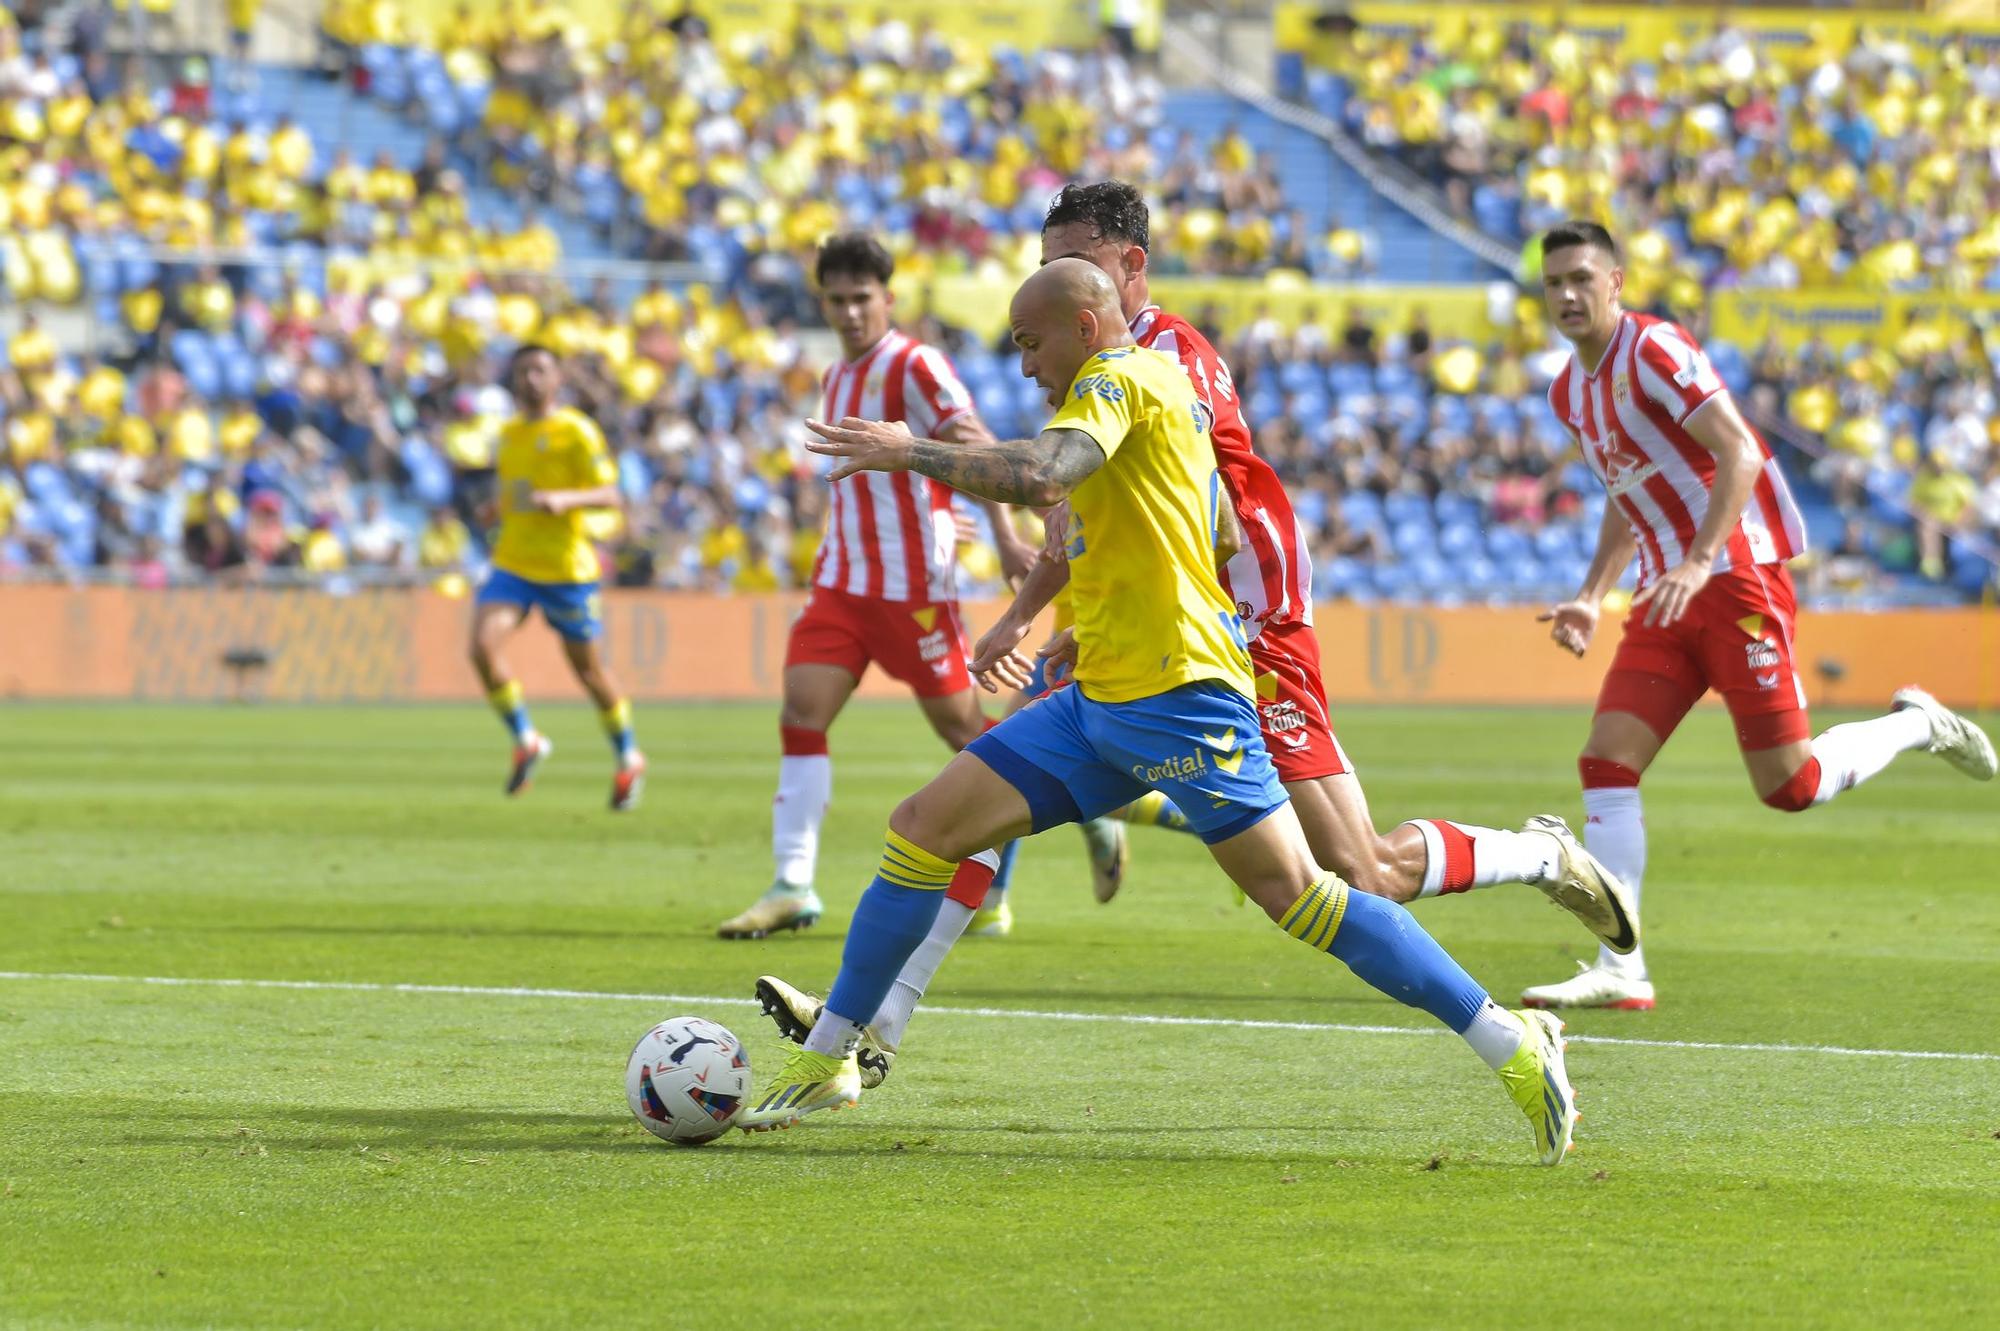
(571, 608)
(1200, 745)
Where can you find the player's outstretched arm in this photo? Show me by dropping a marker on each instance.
(1039, 471)
(1017, 557)
(565, 501)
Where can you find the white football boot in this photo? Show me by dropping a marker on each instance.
(1953, 738)
(1593, 986)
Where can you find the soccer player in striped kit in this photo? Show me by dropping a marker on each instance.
(883, 587)
(1697, 496)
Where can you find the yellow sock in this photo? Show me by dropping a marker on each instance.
(617, 722)
(906, 864)
(1314, 918)
(511, 705)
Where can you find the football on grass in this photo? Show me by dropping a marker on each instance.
(686, 1080)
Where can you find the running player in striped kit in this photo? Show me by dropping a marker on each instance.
(883, 587)
(1697, 496)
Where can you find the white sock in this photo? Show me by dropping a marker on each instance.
(1494, 856)
(833, 1034)
(922, 967)
(1615, 832)
(919, 970)
(1850, 754)
(1495, 1035)
(805, 784)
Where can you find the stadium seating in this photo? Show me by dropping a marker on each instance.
(354, 357)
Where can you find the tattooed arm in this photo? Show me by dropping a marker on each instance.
(1039, 471)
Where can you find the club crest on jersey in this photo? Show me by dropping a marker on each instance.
(1621, 388)
(1204, 419)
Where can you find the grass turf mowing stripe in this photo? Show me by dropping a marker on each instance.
(1024, 1014)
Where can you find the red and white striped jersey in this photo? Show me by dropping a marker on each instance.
(889, 535)
(1270, 579)
(1630, 415)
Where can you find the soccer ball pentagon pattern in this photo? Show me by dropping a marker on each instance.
(686, 1079)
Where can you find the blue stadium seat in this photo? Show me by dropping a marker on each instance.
(1459, 540)
(1412, 538)
(1392, 579)
(1478, 576)
(1402, 507)
(1451, 507)
(1432, 575)
(1524, 576)
(1508, 543)
(1362, 510)
(1555, 542)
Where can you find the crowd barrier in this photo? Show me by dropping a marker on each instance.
(1024, 25)
(1227, 305)
(1929, 320)
(1649, 32)
(301, 645)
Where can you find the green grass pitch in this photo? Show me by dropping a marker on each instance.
(332, 1157)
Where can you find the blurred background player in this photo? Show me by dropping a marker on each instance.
(1270, 580)
(1163, 699)
(553, 469)
(1696, 494)
(883, 585)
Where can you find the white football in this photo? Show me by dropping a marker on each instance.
(686, 1079)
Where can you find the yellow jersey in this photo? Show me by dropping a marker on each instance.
(1150, 615)
(562, 451)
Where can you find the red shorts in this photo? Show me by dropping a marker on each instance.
(1291, 703)
(921, 643)
(1736, 638)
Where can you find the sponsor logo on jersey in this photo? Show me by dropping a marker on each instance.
(1099, 385)
(1623, 465)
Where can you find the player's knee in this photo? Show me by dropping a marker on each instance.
(1799, 792)
(913, 820)
(1599, 771)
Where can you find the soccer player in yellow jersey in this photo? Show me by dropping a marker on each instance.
(1163, 699)
(553, 469)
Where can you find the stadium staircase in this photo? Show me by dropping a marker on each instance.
(336, 116)
(1329, 191)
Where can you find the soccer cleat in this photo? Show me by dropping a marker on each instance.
(773, 913)
(794, 1011)
(628, 783)
(528, 755)
(807, 1083)
(991, 921)
(1109, 856)
(1586, 889)
(1539, 1083)
(1953, 738)
(1593, 986)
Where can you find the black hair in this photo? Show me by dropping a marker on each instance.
(853, 254)
(1114, 209)
(525, 350)
(1578, 231)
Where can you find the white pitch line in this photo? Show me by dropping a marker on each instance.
(1019, 1014)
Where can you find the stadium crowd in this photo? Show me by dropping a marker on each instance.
(1739, 165)
(739, 154)
(336, 412)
